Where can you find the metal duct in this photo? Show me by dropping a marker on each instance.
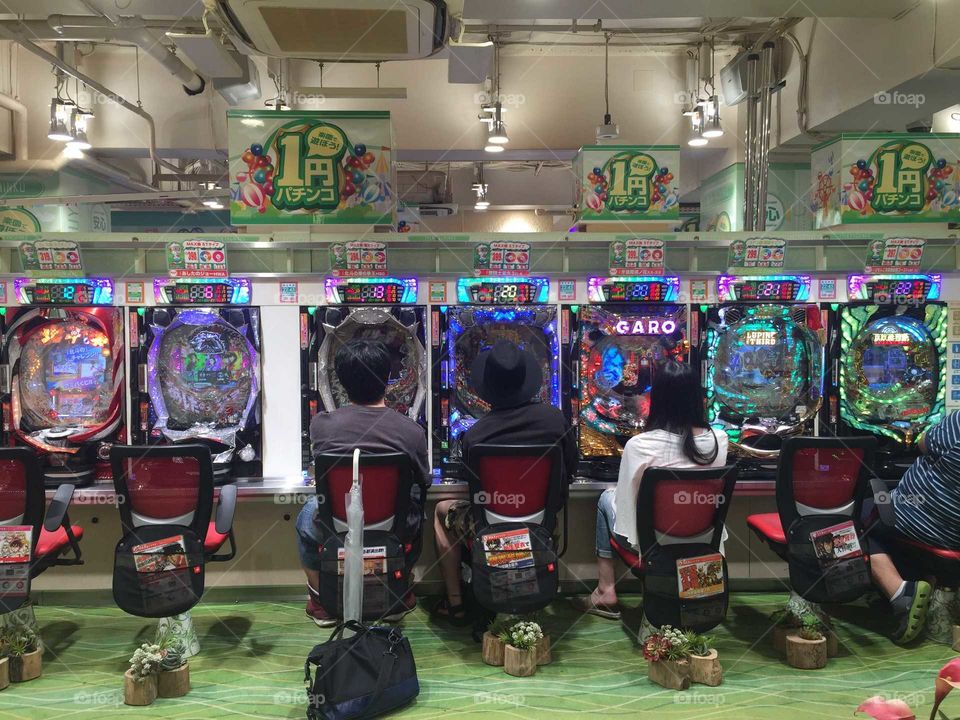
(749, 169)
(767, 82)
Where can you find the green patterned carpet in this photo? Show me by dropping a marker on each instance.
(252, 659)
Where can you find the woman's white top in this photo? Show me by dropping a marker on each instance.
(657, 448)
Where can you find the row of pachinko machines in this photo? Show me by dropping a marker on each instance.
(774, 360)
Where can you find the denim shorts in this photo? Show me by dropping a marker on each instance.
(606, 521)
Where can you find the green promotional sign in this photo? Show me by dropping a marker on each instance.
(628, 183)
(50, 258)
(756, 254)
(18, 220)
(886, 178)
(788, 184)
(311, 168)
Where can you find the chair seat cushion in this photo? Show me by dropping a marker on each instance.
(214, 540)
(767, 526)
(51, 544)
(941, 553)
(628, 555)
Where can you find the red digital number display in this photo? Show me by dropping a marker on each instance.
(371, 293)
(624, 291)
(201, 294)
(516, 293)
(782, 290)
(898, 290)
(61, 294)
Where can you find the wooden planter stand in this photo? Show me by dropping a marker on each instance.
(806, 654)
(956, 637)
(139, 692)
(833, 643)
(544, 654)
(671, 674)
(493, 650)
(705, 669)
(780, 633)
(174, 683)
(519, 663)
(26, 667)
(4, 673)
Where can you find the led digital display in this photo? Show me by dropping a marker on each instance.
(898, 291)
(514, 293)
(200, 294)
(367, 293)
(768, 290)
(80, 291)
(764, 289)
(61, 294)
(633, 289)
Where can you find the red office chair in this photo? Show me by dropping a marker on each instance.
(922, 559)
(51, 534)
(173, 485)
(391, 544)
(821, 482)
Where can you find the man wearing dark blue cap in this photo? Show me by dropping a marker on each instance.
(509, 379)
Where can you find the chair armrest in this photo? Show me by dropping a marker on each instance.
(226, 508)
(56, 513)
(883, 501)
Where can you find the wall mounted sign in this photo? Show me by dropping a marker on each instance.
(886, 178)
(18, 220)
(289, 293)
(50, 258)
(501, 258)
(628, 182)
(358, 258)
(197, 259)
(567, 290)
(636, 256)
(438, 291)
(895, 254)
(134, 291)
(311, 167)
(756, 253)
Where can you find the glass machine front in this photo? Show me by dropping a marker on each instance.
(490, 309)
(763, 361)
(631, 325)
(198, 354)
(63, 350)
(888, 375)
(364, 308)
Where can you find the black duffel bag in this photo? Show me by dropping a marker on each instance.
(361, 676)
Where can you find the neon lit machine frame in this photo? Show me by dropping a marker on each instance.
(62, 375)
(887, 369)
(762, 364)
(516, 309)
(198, 356)
(611, 347)
(383, 308)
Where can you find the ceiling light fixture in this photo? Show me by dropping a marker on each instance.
(713, 128)
(609, 130)
(480, 188)
(78, 129)
(696, 138)
(59, 116)
(493, 114)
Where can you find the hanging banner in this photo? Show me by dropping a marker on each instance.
(886, 178)
(757, 253)
(362, 257)
(894, 255)
(636, 256)
(501, 258)
(307, 167)
(50, 258)
(628, 183)
(197, 258)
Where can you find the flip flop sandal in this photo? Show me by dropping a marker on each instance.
(584, 605)
(918, 612)
(456, 615)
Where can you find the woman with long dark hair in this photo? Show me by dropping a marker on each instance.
(676, 435)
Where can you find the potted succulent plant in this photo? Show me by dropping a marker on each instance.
(173, 678)
(704, 661)
(25, 654)
(140, 681)
(807, 646)
(493, 642)
(520, 653)
(667, 654)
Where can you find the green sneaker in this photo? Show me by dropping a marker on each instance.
(910, 611)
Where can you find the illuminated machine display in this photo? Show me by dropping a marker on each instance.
(616, 343)
(382, 309)
(63, 355)
(763, 361)
(198, 355)
(888, 361)
(489, 309)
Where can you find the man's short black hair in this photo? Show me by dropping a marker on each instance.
(363, 368)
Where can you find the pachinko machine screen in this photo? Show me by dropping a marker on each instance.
(763, 364)
(63, 291)
(620, 348)
(893, 359)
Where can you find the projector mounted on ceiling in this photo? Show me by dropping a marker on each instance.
(340, 30)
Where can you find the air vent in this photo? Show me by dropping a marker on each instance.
(341, 30)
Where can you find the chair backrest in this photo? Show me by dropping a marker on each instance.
(21, 489)
(684, 505)
(163, 484)
(516, 483)
(823, 475)
(386, 479)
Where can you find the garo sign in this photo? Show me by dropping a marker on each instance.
(646, 326)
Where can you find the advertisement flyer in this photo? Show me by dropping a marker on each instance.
(50, 258)
(699, 577)
(501, 258)
(361, 257)
(756, 253)
(894, 255)
(197, 258)
(637, 256)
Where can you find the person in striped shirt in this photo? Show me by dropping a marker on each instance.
(926, 506)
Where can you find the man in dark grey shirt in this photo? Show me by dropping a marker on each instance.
(363, 368)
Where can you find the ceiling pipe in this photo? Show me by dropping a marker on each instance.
(9, 34)
(83, 28)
